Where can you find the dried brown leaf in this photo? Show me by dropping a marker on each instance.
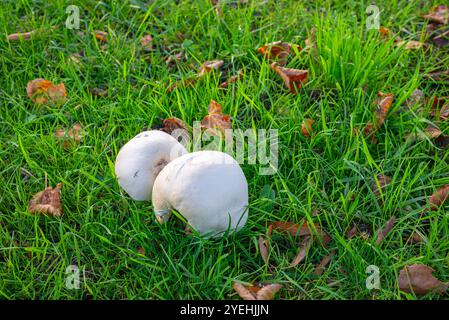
(306, 127)
(418, 279)
(383, 181)
(415, 98)
(385, 33)
(146, 42)
(243, 292)
(410, 44)
(69, 137)
(277, 50)
(302, 252)
(215, 118)
(441, 40)
(293, 78)
(439, 107)
(263, 248)
(268, 291)
(42, 91)
(381, 234)
(209, 66)
(101, 36)
(352, 232)
(22, 35)
(311, 43)
(99, 92)
(319, 269)
(299, 230)
(415, 238)
(232, 79)
(47, 201)
(439, 197)
(171, 124)
(256, 292)
(383, 104)
(438, 14)
(206, 68)
(173, 59)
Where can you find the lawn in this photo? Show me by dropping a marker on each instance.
(116, 89)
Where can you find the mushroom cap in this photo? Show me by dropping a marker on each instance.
(208, 188)
(141, 159)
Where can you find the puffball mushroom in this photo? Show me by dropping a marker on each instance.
(141, 159)
(208, 188)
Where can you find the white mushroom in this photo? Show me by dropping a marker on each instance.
(141, 159)
(208, 188)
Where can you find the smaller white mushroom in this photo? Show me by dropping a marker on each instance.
(141, 159)
(208, 188)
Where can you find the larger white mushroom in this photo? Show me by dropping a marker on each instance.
(141, 159)
(208, 188)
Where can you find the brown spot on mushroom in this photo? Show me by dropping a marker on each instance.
(159, 166)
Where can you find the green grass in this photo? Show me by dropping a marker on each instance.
(331, 173)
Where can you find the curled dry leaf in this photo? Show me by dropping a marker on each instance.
(304, 247)
(438, 14)
(438, 75)
(183, 83)
(415, 98)
(277, 50)
(217, 7)
(173, 59)
(440, 107)
(232, 79)
(256, 292)
(409, 45)
(294, 229)
(431, 132)
(21, 35)
(209, 66)
(311, 43)
(47, 201)
(439, 197)
(306, 127)
(293, 78)
(69, 137)
(418, 279)
(441, 40)
(42, 91)
(76, 57)
(319, 269)
(263, 248)
(101, 36)
(99, 92)
(146, 42)
(215, 118)
(385, 33)
(28, 35)
(415, 238)
(380, 184)
(267, 292)
(171, 124)
(206, 68)
(352, 232)
(297, 229)
(381, 234)
(383, 103)
(361, 230)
